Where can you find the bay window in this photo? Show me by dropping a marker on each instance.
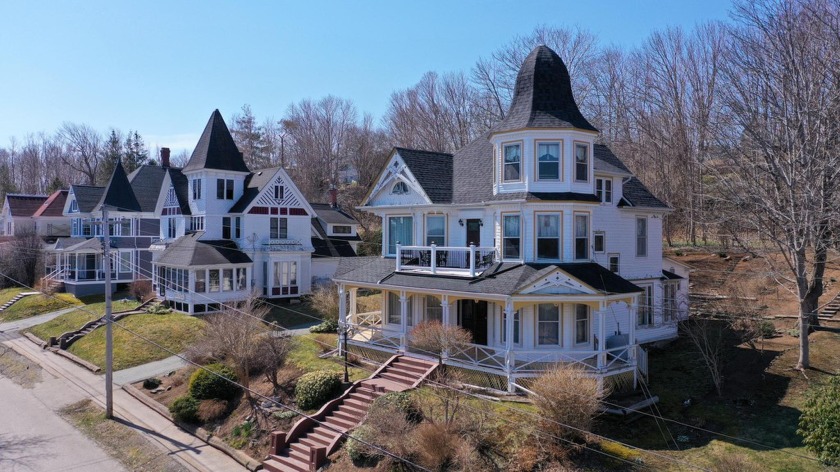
(512, 162)
(581, 236)
(548, 236)
(511, 237)
(400, 231)
(548, 161)
(581, 162)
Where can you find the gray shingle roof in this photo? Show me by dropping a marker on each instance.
(146, 181)
(326, 246)
(254, 184)
(182, 189)
(502, 279)
(190, 251)
(87, 197)
(433, 171)
(24, 205)
(543, 96)
(635, 194)
(216, 148)
(332, 216)
(118, 193)
(606, 161)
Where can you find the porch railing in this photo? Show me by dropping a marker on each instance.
(532, 362)
(375, 337)
(470, 260)
(372, 318)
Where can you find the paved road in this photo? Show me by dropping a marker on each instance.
(33, 437)
(11, 327)
(187, 449)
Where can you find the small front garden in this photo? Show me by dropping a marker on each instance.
(34, 305)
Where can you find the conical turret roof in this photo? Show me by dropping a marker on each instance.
(118, 194)
(543, 96)
(216, 148)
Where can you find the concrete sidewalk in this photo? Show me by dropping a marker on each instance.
(145, 371)
(11, 328)
(187, 449)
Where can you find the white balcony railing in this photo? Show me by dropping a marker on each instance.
(470, 260)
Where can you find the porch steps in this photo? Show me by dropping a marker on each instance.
(309, 442)
(16, 298)
(830, 311)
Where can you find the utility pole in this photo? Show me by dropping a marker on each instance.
(109, 334)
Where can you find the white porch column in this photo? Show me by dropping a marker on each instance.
(351, 313)
(633, 311)
(602, 344)
(403, 321)
(342, 318)
(444, 309)
(509, 329)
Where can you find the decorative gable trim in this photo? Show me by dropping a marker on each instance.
(289, 201)
(396, 171)
(558, 283)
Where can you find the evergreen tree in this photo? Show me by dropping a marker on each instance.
(136, 153)
(113, 152)
(7, 184)
(250, 139)
(56, 184)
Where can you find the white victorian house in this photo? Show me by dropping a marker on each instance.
(534, 238)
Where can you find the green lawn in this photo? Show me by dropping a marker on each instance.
(304, 355)
(77, 318)
(38, 305)
(174, 331)
(9, 293)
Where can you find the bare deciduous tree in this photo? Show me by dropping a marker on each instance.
(437, 338)
(83, 147)
(568, 400)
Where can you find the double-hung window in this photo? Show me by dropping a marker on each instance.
(548, 236)
(516, 328)
(224, 189)
(581, 323)
(511, 237)
(641, 236)
(171, 228)
(581, 162)
(581, 236)
(394, 308)
(225, 227)
(548, 324)
(125, 261)
(400, 231)
(512, 154)
(436, 230)
(614, 263)
(279, 228)
(598, 241)
(603, 190)
(237, 227)
(548, 161)
(196, 189)
(646, 306)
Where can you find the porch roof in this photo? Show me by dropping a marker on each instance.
(507, 278)
(190, 251)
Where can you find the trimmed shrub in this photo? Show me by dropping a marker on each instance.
(360, 453)
(819, 424)
(185, 409)
(151, 384)
(401, 402)
(205, 385)
(316, 388)
(141, 290)
(328, 326)
(212, 410)
(158, 309)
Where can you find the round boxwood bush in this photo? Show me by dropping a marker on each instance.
(185, 409)
(819, 424)
(205, 385)
(316, 388)
(360, 453)
(401, 402)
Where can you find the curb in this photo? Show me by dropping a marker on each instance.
(35, 339)
(247, 461)
(78, 360)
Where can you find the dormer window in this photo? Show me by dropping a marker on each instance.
(581, 162)
(74, 206)
(548, 161)
(512, 162)
(400, 188)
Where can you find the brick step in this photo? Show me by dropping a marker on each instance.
(398, 377)
(298, 451)
(410, 368)
(415, 362)
(339, 423)
(354, 419)
(285, 464)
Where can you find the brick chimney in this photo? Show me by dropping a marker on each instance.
(164, 157)
(333, 197)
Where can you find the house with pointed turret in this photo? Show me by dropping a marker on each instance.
(227, 232)
(535, 238)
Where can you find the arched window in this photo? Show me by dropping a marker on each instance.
(400, 188)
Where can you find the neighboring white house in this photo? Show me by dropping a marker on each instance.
(534, 238)
(227, 231)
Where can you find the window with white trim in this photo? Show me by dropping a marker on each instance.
(434, 309)
(226, 227)
(125, 261)
(603, 190)
(581, 323)
(214, 280)
(197, 223)
(548, 236)
(171, 228)
(669, 301)
(279, 192)
(400, 231)
(342, 229)
(436, 230)
(645, 311)
(548, 324)
(279, 228)
(581, 236)
(581, 162)
(200, 281)
(394, 308)
(598, 241)
(196, 189)
(548, 161)
(74, 206)
(224, 189)
(641, 236)
(512, 154)
(614, 262)
(511, 237)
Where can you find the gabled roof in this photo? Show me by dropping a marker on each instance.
(326, 246)
(87, 196)
(503, 279)
(189, 251)
(182, 190)
(332, 215)
(54, 205)
(146, 182)
(635, 194)
(24, 205)
(606, 161)
(254, 184)
(542, 97)
(118, 193)
(433, 170)
(216, 148)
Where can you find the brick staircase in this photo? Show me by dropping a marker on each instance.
(15, 299)
(830, 311)
(306, 446)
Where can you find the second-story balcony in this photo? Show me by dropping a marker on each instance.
(443, 260)
(283, 245)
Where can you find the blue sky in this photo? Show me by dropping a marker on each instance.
(161, 67)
